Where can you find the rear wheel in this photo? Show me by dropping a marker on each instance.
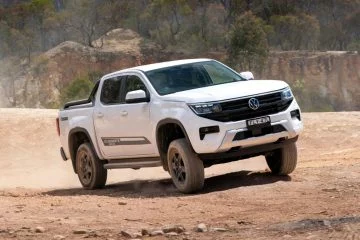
(185, 167)
(283, 161)
(90, 169)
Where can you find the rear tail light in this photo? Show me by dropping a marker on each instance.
(58, 126)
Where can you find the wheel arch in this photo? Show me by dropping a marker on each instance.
(77, 136)
(173, 126)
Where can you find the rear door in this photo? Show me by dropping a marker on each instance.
(122, 130)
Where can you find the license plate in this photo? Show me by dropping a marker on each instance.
(258, 122)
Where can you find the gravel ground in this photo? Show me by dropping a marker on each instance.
(40, 197)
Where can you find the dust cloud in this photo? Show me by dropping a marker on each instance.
(30, 158)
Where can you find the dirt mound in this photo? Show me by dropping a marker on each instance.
(120, 40)
(38, 83)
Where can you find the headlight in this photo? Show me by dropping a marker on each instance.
(204, 108)
(286, 94)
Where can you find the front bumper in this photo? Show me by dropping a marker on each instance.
(210, 159)
(225, 139)
(292, 128)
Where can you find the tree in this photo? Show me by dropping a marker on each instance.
(87, 18)
(167, 15)
(248, 47)
(38, 10)
(293, 32)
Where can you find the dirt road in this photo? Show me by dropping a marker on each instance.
(241, 200)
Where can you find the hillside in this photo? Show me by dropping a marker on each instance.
(38, 189)
(322, 81)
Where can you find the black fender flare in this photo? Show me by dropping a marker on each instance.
(71, 144)
(167, 121)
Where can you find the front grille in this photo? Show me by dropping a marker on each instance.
(237, 110)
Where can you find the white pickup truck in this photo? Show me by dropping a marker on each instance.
(182, 115)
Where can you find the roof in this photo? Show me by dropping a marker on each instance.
(155, 66)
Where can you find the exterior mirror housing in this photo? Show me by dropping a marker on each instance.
(247, 75)
(137, 96)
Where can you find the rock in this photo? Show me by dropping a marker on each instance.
(172, 234)
(243, 223)
(175, 228)
(287, 236)
(201, 228)
(58, 237)
(122, 203)
(327, 223)
(330, 190)
(91, 234)
(39, 229)
(131, 235)
(137, 235)
(220, 229)
(132, 219)
(126, 234)
(157, 233)
(144, 232)
(14, 195)
(80, 231)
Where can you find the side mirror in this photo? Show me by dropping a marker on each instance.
(136, 96)
(247, 75)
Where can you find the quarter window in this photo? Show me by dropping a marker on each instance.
(110, 93)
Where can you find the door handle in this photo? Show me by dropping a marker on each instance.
(124, 113)
(99, 114)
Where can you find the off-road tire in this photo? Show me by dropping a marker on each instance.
(283, 161)
(90, 169)
(192, 176)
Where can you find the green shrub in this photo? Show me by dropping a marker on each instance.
(80, 88)
(248, 47)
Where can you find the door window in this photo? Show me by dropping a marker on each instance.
(110, 93)
(134, 83)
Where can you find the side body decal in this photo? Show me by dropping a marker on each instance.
(115, 141)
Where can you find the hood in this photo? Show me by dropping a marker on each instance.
(226, 91)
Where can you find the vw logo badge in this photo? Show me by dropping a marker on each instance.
(254, 103)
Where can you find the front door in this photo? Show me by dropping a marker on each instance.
(123, 130)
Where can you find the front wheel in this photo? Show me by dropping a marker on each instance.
(283, 161)
(90, 169)
(185, 167)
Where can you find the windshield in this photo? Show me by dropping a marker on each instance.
(190, 76)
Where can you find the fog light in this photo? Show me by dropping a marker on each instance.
(296, 114)
(207, 130)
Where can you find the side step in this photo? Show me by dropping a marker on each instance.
(133, 163)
